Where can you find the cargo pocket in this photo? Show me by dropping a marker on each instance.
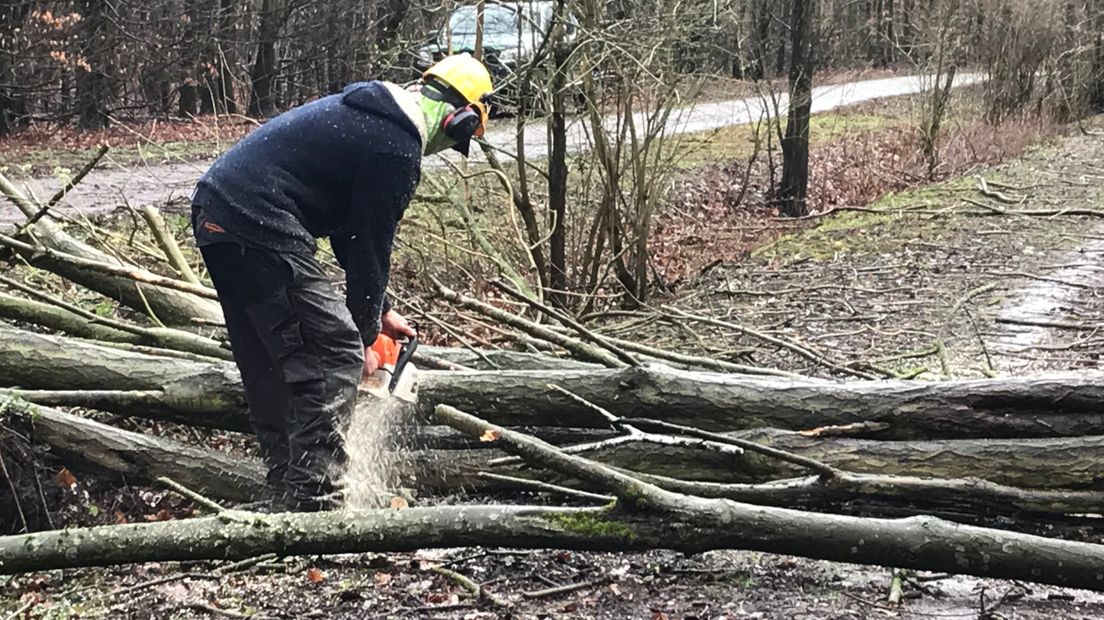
(281, 332)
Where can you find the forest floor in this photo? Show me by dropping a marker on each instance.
(922, 282)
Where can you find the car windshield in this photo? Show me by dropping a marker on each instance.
(500, 27)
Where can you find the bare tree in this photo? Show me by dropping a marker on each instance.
(795, 143)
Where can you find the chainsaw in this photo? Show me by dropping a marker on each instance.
(396, 375)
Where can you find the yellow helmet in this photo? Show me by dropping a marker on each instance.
(467, 76)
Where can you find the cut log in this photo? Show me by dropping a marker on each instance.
(1041, 406)
(646, 517)
(89, 446)
(209, 394)
(1044, 463)
(171, 307)
(63, 320)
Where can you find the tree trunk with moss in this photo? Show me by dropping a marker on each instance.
(644, 517)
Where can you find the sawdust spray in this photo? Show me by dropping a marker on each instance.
(371, 477)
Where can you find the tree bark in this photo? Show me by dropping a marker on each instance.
(1043, 406)
(198, 393)
(557, 165)
(88, 446)
(1053, 463)
(645, 517)
(61, 319)
(262, 102)
(795, 144)
(92, 76)
(210, 395)
(171, 307)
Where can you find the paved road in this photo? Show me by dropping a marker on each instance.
(160, 184)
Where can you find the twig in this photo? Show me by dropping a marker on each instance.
(227, 613)
(896, 587)
(11, 485)
(983, 187)
(546, 487)
(65, 189)
(825, 470)
(574, 345)
(583, 331)
(168, 244)
(477, 591)
(778, 342)
(940, 337)
(243, 564)
(190, 494)
(565, 589)
(1055, 324)
(1031, 276)
(163, 580)
(22, 610)
(133, 273)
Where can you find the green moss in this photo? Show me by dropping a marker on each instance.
(863, 232)
(737, 141)
(592, 524)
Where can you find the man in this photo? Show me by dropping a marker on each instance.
(343, 167)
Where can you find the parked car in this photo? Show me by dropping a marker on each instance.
(512, 33)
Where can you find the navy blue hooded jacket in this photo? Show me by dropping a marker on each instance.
(344, 167)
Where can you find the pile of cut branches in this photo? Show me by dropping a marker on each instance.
(668, 449)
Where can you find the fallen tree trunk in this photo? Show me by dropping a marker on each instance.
(171, 307)
(1043, 406)
(106, 330)
(210, 395)
(1039, 463)
(1048, 463)
(645, 517)
(89, 446)
(207, 394)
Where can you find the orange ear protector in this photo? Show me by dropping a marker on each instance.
(463, 123)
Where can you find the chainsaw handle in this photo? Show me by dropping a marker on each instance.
(406, 352)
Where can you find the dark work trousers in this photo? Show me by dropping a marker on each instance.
(300, 357)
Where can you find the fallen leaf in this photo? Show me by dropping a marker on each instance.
(66, 479)
(613, 588)
(315, 576)
(399, 503)
(489, 435)
(659, 615)
(120, 518)
(382, 579)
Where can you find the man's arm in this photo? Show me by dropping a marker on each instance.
(380, 196)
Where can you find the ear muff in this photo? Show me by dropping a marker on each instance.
(463, 124)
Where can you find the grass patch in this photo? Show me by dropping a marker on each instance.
(738, 141)
(862, 232)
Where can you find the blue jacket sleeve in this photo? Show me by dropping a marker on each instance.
(363, 246)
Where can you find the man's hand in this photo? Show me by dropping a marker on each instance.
(394, 324)
(371, 363)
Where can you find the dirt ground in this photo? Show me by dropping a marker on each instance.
(932, 285)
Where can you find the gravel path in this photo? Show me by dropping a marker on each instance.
(162, 184)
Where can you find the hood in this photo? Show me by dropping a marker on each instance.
(375, 97)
